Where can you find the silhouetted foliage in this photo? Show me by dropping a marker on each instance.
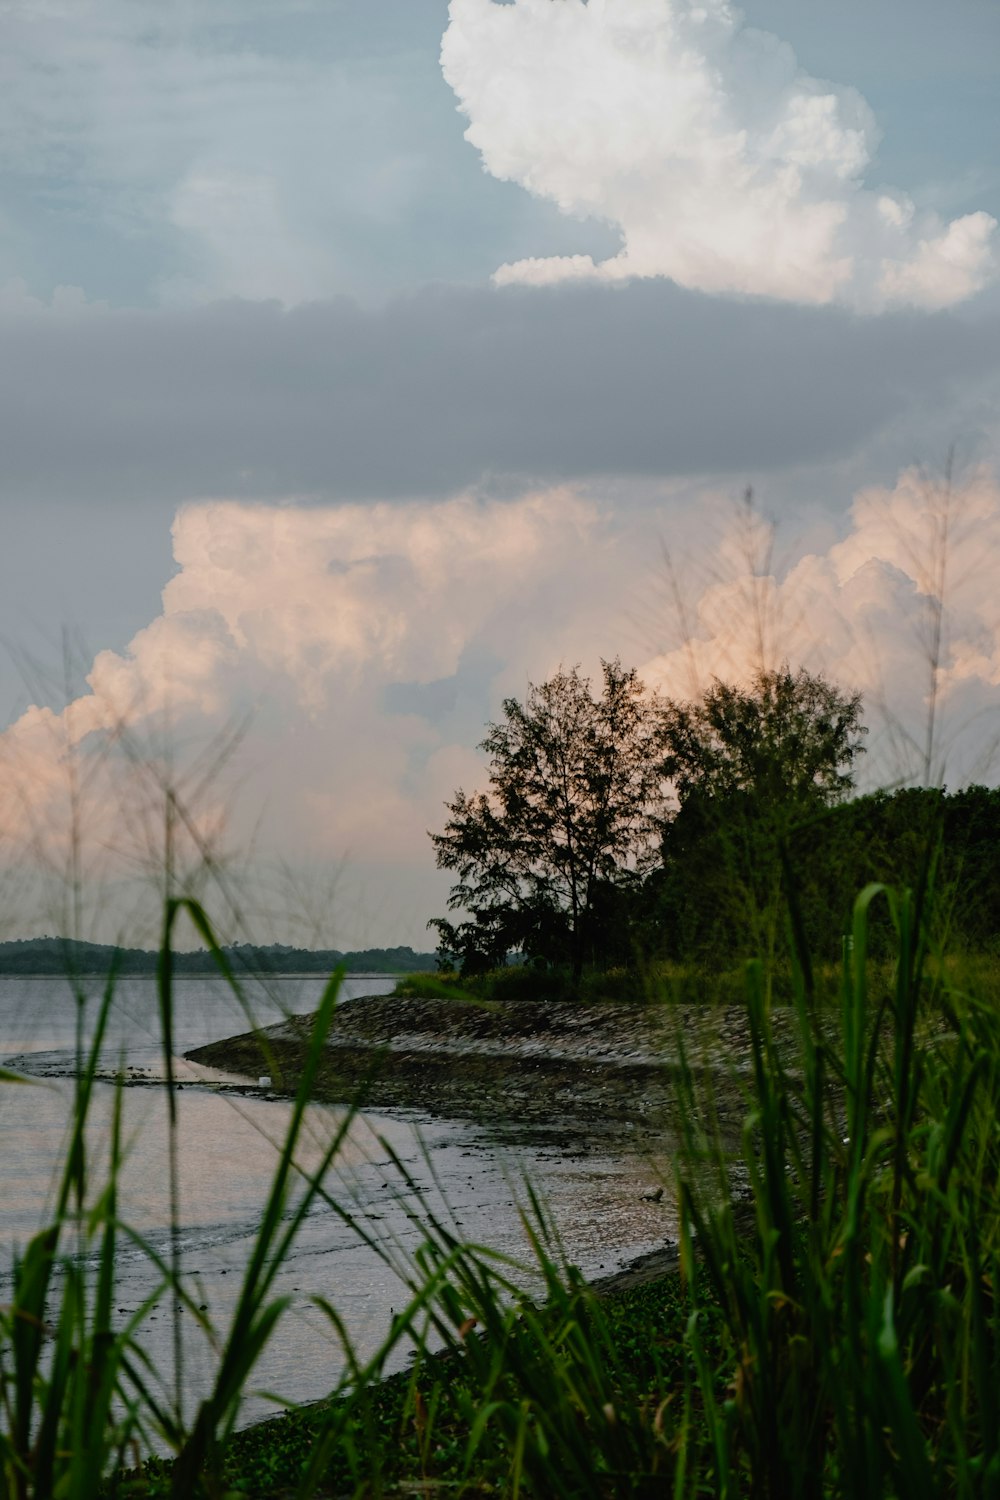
(753, 769)
(894, 837)
(568, 825)
(573, 857)
(788, 742)
(897, 838)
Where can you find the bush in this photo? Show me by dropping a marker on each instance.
(429, 987)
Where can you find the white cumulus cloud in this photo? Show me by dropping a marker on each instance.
(724, 165)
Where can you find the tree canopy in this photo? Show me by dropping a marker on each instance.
(570, 818)
(790, 738)
(754, 769)
(622, 813)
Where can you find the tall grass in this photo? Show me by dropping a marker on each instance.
(859, 1307)
(76, 1394)
(842, 1335)
(834, 1330)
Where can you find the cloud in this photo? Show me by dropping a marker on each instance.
(245, 249)
(362, 649)
(436, 390)
(724, 165)
(111, 99)
(178, 154)
(902, 608)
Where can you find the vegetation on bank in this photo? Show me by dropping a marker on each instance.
(663, 983)
(628, 1346)
(60, 956)
(623, 827)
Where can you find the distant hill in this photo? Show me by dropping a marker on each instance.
(49, 955)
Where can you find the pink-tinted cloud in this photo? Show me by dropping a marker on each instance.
(362, 646)
(362, 649)
(904, 608)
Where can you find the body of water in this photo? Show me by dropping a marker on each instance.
(228, 1136)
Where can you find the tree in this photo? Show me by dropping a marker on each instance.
(790, 740)
(753, 769)
(569, 818)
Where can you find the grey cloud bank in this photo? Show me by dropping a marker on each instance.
(438, 389)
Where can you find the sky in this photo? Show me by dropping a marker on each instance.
(364, 361)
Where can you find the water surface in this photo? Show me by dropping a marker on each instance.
(228, 1134)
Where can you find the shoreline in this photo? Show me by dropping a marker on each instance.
(552, 1067)
(590, 1076)
(576, 1077)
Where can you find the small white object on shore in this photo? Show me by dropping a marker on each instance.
(264, 1081)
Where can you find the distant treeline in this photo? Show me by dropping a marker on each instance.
(53, 955)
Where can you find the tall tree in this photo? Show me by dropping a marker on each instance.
(791, 739)
(570, 814)
(752, 767)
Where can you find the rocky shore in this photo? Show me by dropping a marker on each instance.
(581, 1078)
(518, 1065)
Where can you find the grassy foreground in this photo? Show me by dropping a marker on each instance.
(410, 1434)
(834, 1333)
